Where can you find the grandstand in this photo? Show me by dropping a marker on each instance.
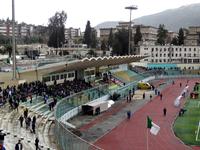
(71, 95)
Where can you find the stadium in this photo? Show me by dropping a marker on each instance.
(83, 104)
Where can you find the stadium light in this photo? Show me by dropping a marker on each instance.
(133, 7)
(13, 40)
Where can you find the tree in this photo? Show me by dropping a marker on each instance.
(93, 39)
(138, 35)
(92, 53)
(162, 34)
(175, 41)
(120, 42)
(103, 45)
(87, 38)
(110, 39)
(181, 36)
(8, 49)
(57, 29)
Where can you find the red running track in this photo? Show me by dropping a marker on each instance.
(132, 134)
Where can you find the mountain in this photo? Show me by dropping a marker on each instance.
(173, 19)
(107, 24)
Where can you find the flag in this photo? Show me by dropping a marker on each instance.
(154, 128)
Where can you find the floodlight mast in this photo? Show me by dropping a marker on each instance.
(132, 7)
(13, 41)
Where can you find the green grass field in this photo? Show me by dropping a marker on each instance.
(186, 126)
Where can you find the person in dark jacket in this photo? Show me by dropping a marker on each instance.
(19, 146)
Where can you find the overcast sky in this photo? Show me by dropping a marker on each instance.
(79, 11)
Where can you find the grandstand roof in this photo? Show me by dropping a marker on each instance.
(80, 64)
(90, 62)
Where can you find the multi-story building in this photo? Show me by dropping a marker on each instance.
(6, 28)
(170, 36)
(23, 30)
(193, 36)
(171, 54)
(123, 25)
(105, 32)
(149, 34)
(72, 33)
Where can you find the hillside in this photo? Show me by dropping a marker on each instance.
(172, 18)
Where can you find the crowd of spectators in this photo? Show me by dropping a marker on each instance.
(15, 94)
(150, 71)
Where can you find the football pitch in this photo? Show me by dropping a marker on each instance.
(187, 127)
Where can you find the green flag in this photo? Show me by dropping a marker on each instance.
(149, 122)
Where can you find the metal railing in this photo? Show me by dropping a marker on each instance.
(66, 139)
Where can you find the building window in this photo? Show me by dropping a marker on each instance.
(53, 78)
(180, 55)
(164, 55)
(176, 49)
(46, 79)
(185, 49)
(190, 49)
(65, 76)
(160, 55)
(164, 49)
(70, 75)
(156, 55)
(194, 49)
(180, 49)
(62, 76)
(57, 77)
(152, 60)
(160, 60)
(176, 55)
(184, 55)
(194, 55)
(152, 49)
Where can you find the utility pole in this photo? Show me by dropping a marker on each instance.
(130, 29)
(13, 40)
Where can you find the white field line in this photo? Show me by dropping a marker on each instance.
(198, 132)
(198, 104)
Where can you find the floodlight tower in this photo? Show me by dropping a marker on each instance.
(13, 40)
(132, 7)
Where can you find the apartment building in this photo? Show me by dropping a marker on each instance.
(193, 36)
(149, 34)
(6, 28)
(105, 32)
(171, 54)
(71, 33)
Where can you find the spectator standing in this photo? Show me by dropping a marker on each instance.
(129, 114)
(21, 119)
(161, 96)
(164, 111)
(19, 146)
(143, 95)
(37, 143)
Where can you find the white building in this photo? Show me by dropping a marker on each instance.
(71, 33)
(170, 54)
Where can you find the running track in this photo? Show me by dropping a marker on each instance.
(132, 134)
